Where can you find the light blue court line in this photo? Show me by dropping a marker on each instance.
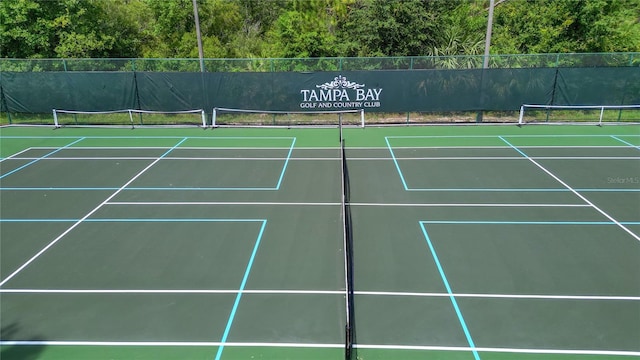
(232, 315)
(450, 292)
(488, 222)
(286, 162)
(40, 158)
(625, 142)
(395, 161)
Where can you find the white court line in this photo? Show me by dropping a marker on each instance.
(196, 203)
(317, 345)
(54, 241)
(322, 292)
(16, 154)
(181, 148)
(443, 158)
(501, 350)
(469, 205)
(154, 203)
(572, 190)
(170, 291)
(178, 158)
(166, 343)
(502, 296)
(515, 158)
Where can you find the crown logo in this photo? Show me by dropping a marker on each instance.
(340, 82)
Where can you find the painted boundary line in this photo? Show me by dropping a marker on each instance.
(450, 293)
(54, 241)
(320, 345)
(40, 158)
(450, 222)
(323, 292)
(513, 135)
(502, 350)
(164, 157)
(16, 154)
(572, 190)
(253, 189)
(157, 137)
(238, 292)
(232, 315)
(183, 158)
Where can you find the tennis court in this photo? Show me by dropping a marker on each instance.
(464, 242)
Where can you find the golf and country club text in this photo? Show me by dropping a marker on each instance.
(340, 94)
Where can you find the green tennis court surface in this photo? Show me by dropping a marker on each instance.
(471, 242)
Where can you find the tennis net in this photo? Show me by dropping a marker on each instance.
(348, 252)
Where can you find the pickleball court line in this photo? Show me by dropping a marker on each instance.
(572, 190)
(318, 346)
(232, 315)
(277, 186)
(34, 257)
(502, 190)
(286, 162)
(326, 292)
(452, 298)
(449, 222)
(269, 203)
(626, 142)
(40, 158)
(10, 157)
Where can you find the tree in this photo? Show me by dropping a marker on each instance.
(462, 30)
(307, 29)
(560, 26)
(388, 28)
(64, 28)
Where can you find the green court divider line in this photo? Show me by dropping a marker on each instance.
(225, 335)
(40, 158)
(450, 292)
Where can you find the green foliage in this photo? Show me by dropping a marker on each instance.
(388, 28)
(65, 28)
(562, 26)
(314, 28)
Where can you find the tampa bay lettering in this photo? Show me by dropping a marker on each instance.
(339, 98)
(340, 93)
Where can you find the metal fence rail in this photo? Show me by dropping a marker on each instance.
(325, 64)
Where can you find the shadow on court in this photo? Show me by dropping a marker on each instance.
(15, 352)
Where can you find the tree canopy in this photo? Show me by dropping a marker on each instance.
(312, 28)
